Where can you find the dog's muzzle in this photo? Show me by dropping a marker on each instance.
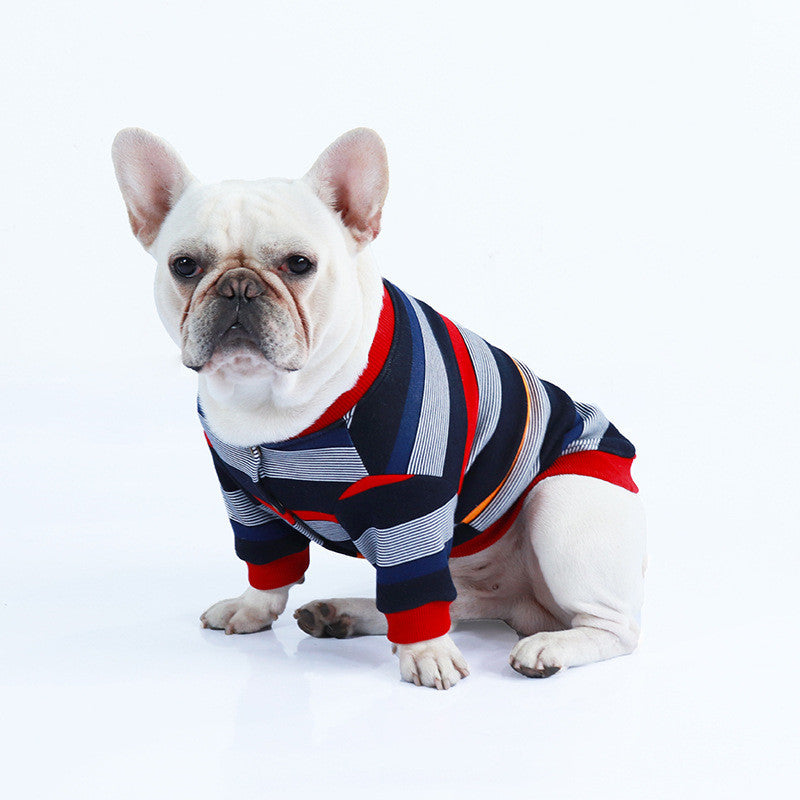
(240, 311)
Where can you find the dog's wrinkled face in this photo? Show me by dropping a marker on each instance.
(240, 265)
(250, 273)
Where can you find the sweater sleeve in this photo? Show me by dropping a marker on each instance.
(276, 554)
(403, 525)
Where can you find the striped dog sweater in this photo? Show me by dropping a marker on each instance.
(428, 457)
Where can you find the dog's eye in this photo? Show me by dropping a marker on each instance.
(299, 264)
(186, 267)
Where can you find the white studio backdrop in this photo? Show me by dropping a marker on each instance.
(609, 191)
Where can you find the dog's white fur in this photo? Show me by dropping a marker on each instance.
(568, 576)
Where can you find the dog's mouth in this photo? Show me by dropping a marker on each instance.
(253, 333)
(236, 340)
(237, 332)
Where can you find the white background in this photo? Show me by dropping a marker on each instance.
(609, 191)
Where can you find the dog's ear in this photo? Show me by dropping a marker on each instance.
(352, 177)
(151, 176)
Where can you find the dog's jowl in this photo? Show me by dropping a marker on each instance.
(341, 411)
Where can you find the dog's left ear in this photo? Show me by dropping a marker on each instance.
(151, 177)
(352, 177)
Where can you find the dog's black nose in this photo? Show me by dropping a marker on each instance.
(240, 283)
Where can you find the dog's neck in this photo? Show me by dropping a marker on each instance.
(272, 405)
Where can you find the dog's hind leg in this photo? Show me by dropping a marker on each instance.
(341, 618)
(585, 547)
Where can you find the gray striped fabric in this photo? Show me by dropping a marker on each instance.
(245, 511)
(328, 530)
(388, 547)
(244, 459)
(488, 377)
(337, 464)
(527, 464)
(595, 424)
(430, 446)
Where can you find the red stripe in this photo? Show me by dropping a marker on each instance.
(375, 361)
(592, 463)
(282, 572)
(208, 441)
(470, 383)
(370, 482)
(315, 515)
(419, 624)
(287, 515)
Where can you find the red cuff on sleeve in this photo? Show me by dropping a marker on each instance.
(282, 572)
(419, 624)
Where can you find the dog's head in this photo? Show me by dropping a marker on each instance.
(252, 275)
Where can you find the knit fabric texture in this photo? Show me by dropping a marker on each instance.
(426, 458)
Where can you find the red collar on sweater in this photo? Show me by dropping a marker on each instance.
(375, 361)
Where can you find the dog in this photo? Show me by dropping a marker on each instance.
(340, 410)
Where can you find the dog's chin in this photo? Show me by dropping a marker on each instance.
(239, 360)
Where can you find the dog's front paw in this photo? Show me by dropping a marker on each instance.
(254, 610)
(437, 663)
(322, 619)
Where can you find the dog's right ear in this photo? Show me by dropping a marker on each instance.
(151, 176)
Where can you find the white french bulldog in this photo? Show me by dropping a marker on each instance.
(269, 289)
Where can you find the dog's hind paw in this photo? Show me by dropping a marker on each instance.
(541, 655)
(323, 620)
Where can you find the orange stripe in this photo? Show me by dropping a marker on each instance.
(477, 510)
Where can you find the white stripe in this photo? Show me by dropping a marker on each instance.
(581, 445)
(430, 445)
(527, 464)
(327, 529)
(490, 391)
(245, 510)
(388, 547)
(332, 464)
(595, 424)
(244, 459)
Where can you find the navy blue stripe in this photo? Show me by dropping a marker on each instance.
(414, 569)
(564, 425)
(226, 481)
(615, 443)
(266, 552)
(409, 419)
(435, 587)
(376, 420)
(343, 548)
(393, 504)
(463, 533)
(457, 432)
(301, 495)
(492, 464)
(334, 435)
(271, 531)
